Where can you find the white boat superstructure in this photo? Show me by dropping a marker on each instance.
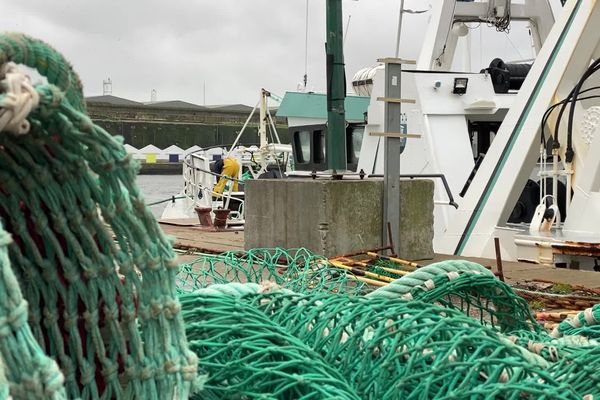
(538, 192)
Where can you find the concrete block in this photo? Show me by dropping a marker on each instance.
(416, 219)
(335, 217)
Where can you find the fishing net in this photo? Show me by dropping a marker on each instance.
(450, 330)
(580, 369)
(468, 287)
(95, 269)
(297, 269)
(385, 350)
(246, 355)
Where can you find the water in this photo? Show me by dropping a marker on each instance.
(159, 187)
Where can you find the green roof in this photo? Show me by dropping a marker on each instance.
(314, 105)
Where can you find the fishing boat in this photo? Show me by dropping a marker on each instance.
(270, 159)
(461, 128)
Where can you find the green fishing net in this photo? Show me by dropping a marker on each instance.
(95, 271)
(447, 331)
(297, 269)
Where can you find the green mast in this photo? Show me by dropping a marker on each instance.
(336, 88)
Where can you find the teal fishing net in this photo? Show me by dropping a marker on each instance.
(96, 273)
(450, 330)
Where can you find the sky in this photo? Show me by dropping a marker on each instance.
(217, 51)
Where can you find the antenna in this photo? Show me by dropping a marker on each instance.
(347, 27)
(106, 87)
(305, 78)
(153, 96)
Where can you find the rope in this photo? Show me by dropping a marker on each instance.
(586, 323)
(20, 98)
(406, 284)
(172, 198)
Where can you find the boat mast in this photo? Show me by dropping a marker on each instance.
(336, 88)
(262, 127)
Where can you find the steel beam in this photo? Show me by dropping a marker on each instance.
(391, 176)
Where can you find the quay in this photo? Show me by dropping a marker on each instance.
(193, 240)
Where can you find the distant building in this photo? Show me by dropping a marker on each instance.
(178, 123)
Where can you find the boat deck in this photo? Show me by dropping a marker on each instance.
(188, 235)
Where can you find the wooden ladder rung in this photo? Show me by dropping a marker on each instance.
(396, 134)
(396, 100)
(392, 60)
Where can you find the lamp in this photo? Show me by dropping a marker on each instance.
(460, 85)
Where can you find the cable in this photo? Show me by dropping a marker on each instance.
(572, 97)
(554, 106)
(569, 153)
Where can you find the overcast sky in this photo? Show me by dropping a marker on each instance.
(236, 47)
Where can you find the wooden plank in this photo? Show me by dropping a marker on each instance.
(392, 60)
(396, 100)
(396, 134)
(215, 242)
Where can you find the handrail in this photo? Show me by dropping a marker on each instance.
(439, 176)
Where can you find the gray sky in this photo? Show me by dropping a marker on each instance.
(236, 47)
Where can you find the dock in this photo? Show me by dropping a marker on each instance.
(190, 238)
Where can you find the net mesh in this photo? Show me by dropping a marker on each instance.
(449, 330)
(92, 263)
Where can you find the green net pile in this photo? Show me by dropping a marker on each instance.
(96, 276)
(446, 331)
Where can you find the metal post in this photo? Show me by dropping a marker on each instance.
(262, 126)
(399, 35)
(336, 88)
(391, 178)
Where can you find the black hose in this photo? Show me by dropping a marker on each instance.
(554, 106)
(569, 154)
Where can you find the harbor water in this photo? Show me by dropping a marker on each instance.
(159, 187)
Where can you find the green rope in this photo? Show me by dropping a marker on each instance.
(585, 323)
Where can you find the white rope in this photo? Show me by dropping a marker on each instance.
(588, 314)
(20, 98)
(429, 285)
(452, 275)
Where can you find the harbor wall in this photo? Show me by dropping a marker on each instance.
(163, 127)
(336, 217)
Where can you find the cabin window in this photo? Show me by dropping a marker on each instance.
(319, 151)
(303, 143)
(353, 143)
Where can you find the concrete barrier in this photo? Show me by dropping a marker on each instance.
(336, 217)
